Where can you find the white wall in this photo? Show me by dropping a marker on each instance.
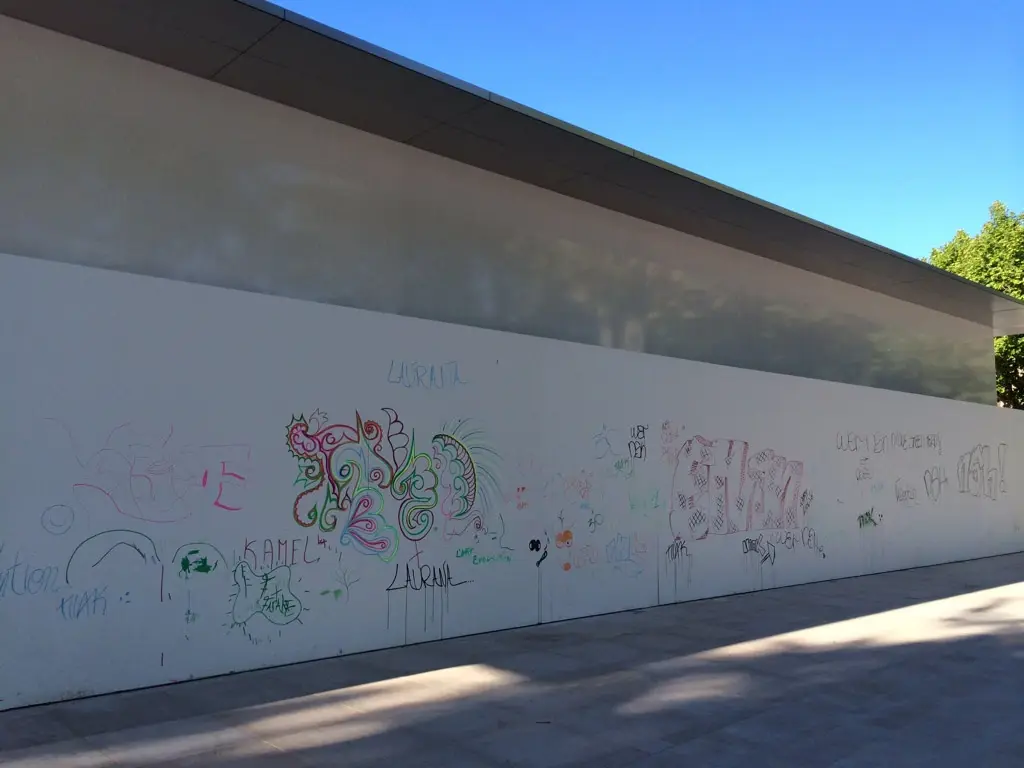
(148, 488)
(109, 161)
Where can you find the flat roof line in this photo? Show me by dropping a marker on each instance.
(231, 42)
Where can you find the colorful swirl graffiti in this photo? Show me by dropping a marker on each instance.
(344, 472)
(468, 481)
(462, 496)
(415, 487)
(334, 472)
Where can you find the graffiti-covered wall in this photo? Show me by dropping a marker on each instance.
(108, 161)
(197, 480)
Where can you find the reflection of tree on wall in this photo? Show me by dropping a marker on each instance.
(378, 232)
(682, 318)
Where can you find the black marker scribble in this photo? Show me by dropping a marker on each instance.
(96, 548)
(868, 519)
(115, 546)
(535, 547)
(760, 547)
(425, 577)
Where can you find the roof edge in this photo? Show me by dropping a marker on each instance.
(555, 122)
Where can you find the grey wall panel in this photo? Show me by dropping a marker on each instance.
(113, 162)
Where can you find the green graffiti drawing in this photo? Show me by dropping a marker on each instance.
(198, 558)
(269, 594)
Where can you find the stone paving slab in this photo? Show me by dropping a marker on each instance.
(919, 667)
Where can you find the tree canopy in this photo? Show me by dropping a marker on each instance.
(994, 257)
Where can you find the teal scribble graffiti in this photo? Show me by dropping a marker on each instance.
(91, 602)
(626, 554)
(623, 467)
(645, 502)
(23, 578)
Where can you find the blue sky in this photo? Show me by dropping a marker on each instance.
(899, 122)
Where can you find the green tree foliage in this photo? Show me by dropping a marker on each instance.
(994, 257)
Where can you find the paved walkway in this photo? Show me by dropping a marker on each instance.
(917, 668)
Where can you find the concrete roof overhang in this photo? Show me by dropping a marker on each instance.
(265, 50)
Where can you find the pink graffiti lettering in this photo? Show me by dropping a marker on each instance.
(224, 473)
(718, 488)
(143, 475)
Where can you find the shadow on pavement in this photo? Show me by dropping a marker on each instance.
(709, 682)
